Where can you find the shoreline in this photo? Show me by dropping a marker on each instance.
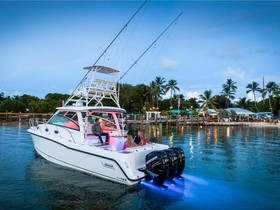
(263, 124)
(249, 124)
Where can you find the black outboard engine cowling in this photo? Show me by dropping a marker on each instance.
(173, 164)
(180, 160)
(157, 165)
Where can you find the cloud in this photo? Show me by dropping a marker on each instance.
(231, 52)
(235, 74)
(194, 90)
(250, 96)
(17, 93)
(168, 64)
(192, 94)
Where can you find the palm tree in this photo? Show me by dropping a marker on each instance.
(172, 86)
(263, 93)
(243, 103)
(153, 92)
(270, 89)
(158, 88)
(207, 101)
(254, 87)
(229, 90)
(277, 92)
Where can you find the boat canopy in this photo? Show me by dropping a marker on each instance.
(102, 69)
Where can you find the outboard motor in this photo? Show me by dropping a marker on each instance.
(157, 165)
(173, 164)
(180, 160)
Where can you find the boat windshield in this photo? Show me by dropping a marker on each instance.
(107, 120)
(64, 121)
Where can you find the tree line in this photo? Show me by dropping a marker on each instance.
(141, 98)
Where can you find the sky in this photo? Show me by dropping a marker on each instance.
(45, 45)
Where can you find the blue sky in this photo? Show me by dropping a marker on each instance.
(45, 45)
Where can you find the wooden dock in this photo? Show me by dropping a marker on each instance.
(187, 121)
(10, 117)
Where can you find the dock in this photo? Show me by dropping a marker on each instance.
(23, 118)
(200, 121)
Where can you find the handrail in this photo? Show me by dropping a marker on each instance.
(58, 127)
(105, 83)
(34, 122)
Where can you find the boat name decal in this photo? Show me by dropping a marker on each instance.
(108, 165)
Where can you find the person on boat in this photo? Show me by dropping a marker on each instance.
(98, 131)
(139, 139)
(129, 142)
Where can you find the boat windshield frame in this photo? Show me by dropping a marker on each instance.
(64, 121)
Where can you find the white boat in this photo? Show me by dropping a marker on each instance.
(66, 139)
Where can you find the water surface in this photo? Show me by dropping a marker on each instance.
(226, 168)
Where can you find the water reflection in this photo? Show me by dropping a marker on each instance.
(226, 168)
(159, 198)
(228, 132)
(60, 188)
(191, 145)
(68, 189)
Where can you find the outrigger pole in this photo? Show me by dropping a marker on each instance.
(120, 32)
(108, 47)
(150, 45)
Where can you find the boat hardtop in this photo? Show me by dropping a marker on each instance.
(102, 69)
(101, 109)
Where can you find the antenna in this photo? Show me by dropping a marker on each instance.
(150, 45)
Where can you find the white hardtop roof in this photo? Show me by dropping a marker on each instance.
(92, 108)
(102, 69)
(240, 111)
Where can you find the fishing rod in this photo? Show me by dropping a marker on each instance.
(123, 28)
(120, 32)
(150, 45)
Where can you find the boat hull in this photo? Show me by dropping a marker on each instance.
(118, 166)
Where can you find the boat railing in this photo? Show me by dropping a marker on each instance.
(98, 91)
(35, 122)
(102, 87)
(65, 129)
(94, 88)
(105, 83)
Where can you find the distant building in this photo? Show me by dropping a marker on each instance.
(176, 112)
(212, 113)
(241, 112)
